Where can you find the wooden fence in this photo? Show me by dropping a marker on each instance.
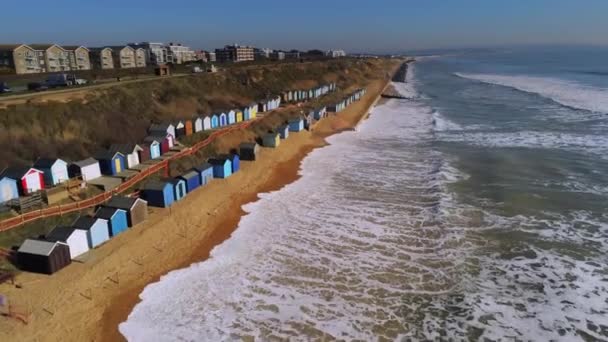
(101, 198)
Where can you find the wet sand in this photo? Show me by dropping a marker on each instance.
(86, 301)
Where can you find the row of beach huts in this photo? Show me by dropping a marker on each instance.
(46, 173)
(63, 244)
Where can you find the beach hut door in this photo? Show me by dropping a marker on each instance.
(117, 165)
(32, 180)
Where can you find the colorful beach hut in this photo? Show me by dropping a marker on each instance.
(235, 162)
(222, 167)
(189, 127)
(231, 117)
(155, 146)
(130, 151)
(158, 194)
(136, 208)
(223, 119)
(205, 171)
(206, 123)
(192, 179)
(55, 170)
(162, 129)
(144, 154)
(75, 238)
(246, 113)
(179, 188)
(198, 124)
(283, 131)
(180, 129)
(296, 125)
(29, 180)
(8, 189)
(88, 169)
(43, 256)
(215, 121)
(239, 116)
(249, 151)
(117, 219)
(271, 139)
(96, 228)
(111, 163)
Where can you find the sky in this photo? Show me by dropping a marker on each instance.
(378, 26)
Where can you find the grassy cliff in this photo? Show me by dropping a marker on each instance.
(120, 114)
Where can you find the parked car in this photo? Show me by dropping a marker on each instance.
(37, 86)
(64, 80)
(196, 69)
(4, 88)
(80, 81)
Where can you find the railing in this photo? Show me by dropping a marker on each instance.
(101, 198)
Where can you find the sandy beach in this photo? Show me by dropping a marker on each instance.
(87, 301)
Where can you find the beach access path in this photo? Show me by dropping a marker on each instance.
(86, 301)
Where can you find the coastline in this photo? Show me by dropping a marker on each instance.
(98, 295)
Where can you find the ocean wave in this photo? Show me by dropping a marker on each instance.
(566, 93)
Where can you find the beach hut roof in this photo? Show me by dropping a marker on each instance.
(122, 202)
(106, 213)
(38, 247)
(107, 154)
(60, 233)
(248, 145)
(85, 162)
(202, 167)
(123, 148)
(84, 222)
(190, 174)
(155, 185)
(17, 172)
(45, 163)
(219, 160)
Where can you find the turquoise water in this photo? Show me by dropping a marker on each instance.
(475, 211)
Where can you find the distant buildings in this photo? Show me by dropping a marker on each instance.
(101, 58)
(156, 53)
(21, 58)
(211, 56)
(262, 53)
(179, 54)
(235, 53)
(79, 57)
(335, 53)
(277, 55)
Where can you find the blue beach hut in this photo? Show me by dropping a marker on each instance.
(246, 113)
(223, 119)
(284, 131)
(206, 172)
(215, 121)
(222, 167)
(117, 219)
(231, 117)
(158, 194)
(179, 188)
(153, 144)
(296, 125)
(8, 189)
(96, 228)
(55, 170)
(235, 160)
(192, 179)
(111, 163)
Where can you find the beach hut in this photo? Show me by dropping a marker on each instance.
(248, 151)
(215, 121)
(88, 169)
(192, 179)
(198, 124)
(239, 116)
(111, 163)
(189, 127)
(271, 139)
(223, 119)
(166, 143)
(235, 161)
(8, 189)
(155, 146)
(246, 113)
(55, 170)
(262, 106)
(161, 129)
(253, 110)
(206, 123)
(144, 154)
(117, 219)
(158, 194)
(205, 170)
(96, 228)
(296, 125)
(222, 167)
(43, 256)
(283, 131)
(75, 238)
(231, 117)
(136, 208)
(180, 129)
(320, 113)
(179, 188)
(29, 180)
(130, 151)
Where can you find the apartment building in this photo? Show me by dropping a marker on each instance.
(52, 57)
(262, 53)
(140, 57)
(156, 53)
(277, 55)
(201, 55)
(235, 53)
(211, 56)
(179, 54)
(78, 57)
(102, 58)
(124, 57)
(21, 58)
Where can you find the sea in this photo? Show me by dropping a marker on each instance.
(476, 209)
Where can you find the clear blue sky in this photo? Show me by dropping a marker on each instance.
(354, 25)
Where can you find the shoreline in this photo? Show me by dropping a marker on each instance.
(89, 300)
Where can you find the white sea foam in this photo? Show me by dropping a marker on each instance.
(444, 124)
(567, 93)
